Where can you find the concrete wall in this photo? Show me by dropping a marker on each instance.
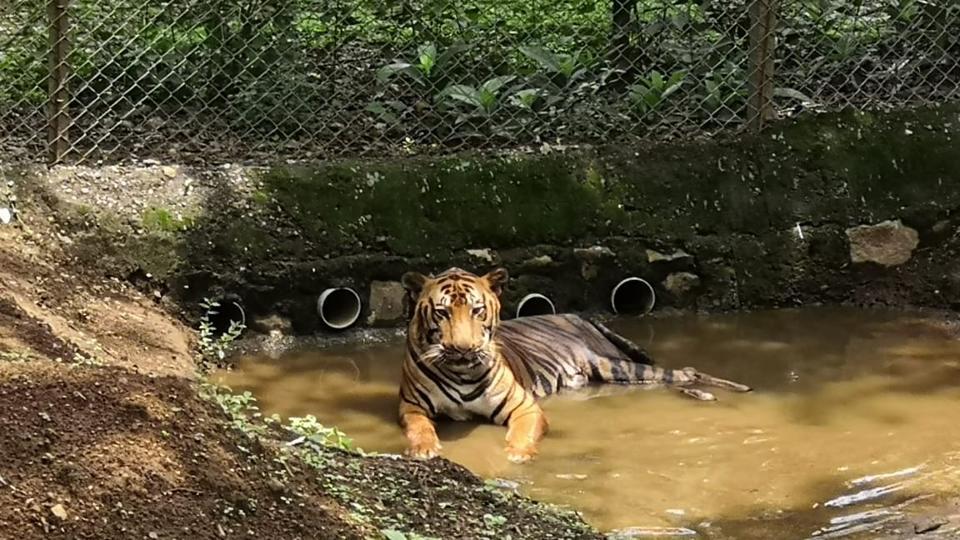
(762, 221)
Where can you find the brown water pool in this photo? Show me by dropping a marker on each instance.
(855, 418)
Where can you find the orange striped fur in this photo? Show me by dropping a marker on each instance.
(463, 363)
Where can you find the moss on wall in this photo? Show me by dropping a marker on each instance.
(842, 168)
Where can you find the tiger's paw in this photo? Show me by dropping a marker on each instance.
(424, 450)
(521, 455)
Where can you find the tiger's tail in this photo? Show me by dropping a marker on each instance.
(629, 348)
(644, 371)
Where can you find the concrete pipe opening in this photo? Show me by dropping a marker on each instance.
(227, 312)
(339, 307)
(535, 304)
(632, 295)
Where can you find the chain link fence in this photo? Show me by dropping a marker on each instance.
(233, 80)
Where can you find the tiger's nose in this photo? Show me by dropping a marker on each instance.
(460, 353)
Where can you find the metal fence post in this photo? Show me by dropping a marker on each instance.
(763, 25)
(58, 96)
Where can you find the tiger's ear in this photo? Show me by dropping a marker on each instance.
(497, 279)
(413, 283)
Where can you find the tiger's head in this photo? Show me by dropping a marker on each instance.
(455, 315)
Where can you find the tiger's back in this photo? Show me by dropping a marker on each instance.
(548, 353)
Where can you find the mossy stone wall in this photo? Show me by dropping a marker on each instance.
(760, 220)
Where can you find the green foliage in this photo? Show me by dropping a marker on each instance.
(162, 220)
(567, 66)
(241, 408)
(724, 89)
(494, 522)
(427, 66)
(435, 69)
(245, 415)
(653, 90)
(309, 427)
(393, 534)
(214, 348)
(483, 99)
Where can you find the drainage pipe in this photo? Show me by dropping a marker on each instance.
(632, 295)
(228, 311)
(339, 307)
(535, 304)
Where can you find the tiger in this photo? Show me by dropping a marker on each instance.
(462, 363)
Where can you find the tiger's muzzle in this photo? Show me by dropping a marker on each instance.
(464, 358)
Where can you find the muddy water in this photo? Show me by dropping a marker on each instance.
(855, 417)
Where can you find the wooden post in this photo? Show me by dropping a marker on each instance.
(58, 96)
(763, 24)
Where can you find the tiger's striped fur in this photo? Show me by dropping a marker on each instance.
(462, 362)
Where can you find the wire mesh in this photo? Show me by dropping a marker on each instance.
(23, 80)
(228, 80)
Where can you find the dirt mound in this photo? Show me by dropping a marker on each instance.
(103, 453)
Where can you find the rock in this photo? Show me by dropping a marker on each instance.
(681, 283)
(386, 302)
(59, 512)
(271, 324)
(572, 476)
(888, 243)
(928, 524)
(276, 486)
(169, 172)
(502, 483)
(593, 253)
(541, 261)
(588, 271)
(589, 257)
(6, 216)
(941, 226)
(483, 254)
(655, 256)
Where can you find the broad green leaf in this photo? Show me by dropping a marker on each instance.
(542, 56)
(791, 93)
(390, 70)
(494, 84)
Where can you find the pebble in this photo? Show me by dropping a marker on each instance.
(59, 512)
(572, 476)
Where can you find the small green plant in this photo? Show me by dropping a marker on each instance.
(15, 356)
(241, 408)
(527, 97)
(309, 427)
(567, 66)
(426, 67)
(162, 220)
(393, 534)
(494, 521)
(484, 99)
(723, 89)
(212, 347)
(652, 91)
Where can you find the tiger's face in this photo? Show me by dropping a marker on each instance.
(455, 316)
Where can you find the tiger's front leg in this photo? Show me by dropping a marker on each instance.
(420, 432)
(525, 429)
